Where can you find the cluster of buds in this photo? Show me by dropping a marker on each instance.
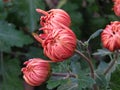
(57, 39)
(116, 7)
(58, 42)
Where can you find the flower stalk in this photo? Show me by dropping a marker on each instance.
(109, 67)
(66, 75)
(112, 63)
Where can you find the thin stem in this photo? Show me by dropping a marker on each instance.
(95, 87)
(88, 52)
(65, 75)
(88, 61)
(80, 42)
(109, 67)
(111, 64)
(86, 47)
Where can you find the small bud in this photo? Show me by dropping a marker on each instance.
(54, 15)
(36, 71)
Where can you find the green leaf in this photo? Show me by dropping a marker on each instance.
(32, 16)
(101, 67)
(108, 75)
(75, 64)
(101, 81)
(1, 5)
(53, 83)
(61, 3)
(85, 81)
(115, 80)
(102, 52)
(68, 86)
(95, 34)
(35, 52)
(69, 6)
(9, 37)
(10, 75)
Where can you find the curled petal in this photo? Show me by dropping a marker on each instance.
(58, 15)
(37, 37)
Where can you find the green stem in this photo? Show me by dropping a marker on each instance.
(79, 41)
(86, 47)
(111, 64)
(109, 67)
(65, 75)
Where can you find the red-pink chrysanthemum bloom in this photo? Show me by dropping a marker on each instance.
(52, 17)
(116, 7)
(59, 44)
(111, 36)
(36, 71)
(42, 36)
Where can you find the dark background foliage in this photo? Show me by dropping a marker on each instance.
(18, 19)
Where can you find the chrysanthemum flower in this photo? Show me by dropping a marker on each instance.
(57, 15)
(111, 36)
(36, 71)
(59, 44)
(116, 7)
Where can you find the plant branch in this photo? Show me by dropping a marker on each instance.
(79, 41)
(86, 47)
(88, 61)
(66, 75)
(111, 64)
(109, 67)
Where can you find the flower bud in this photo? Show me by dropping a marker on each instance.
(36, 71)
(111, 36)
(52, 15)
(59, 44)
(116, 7)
